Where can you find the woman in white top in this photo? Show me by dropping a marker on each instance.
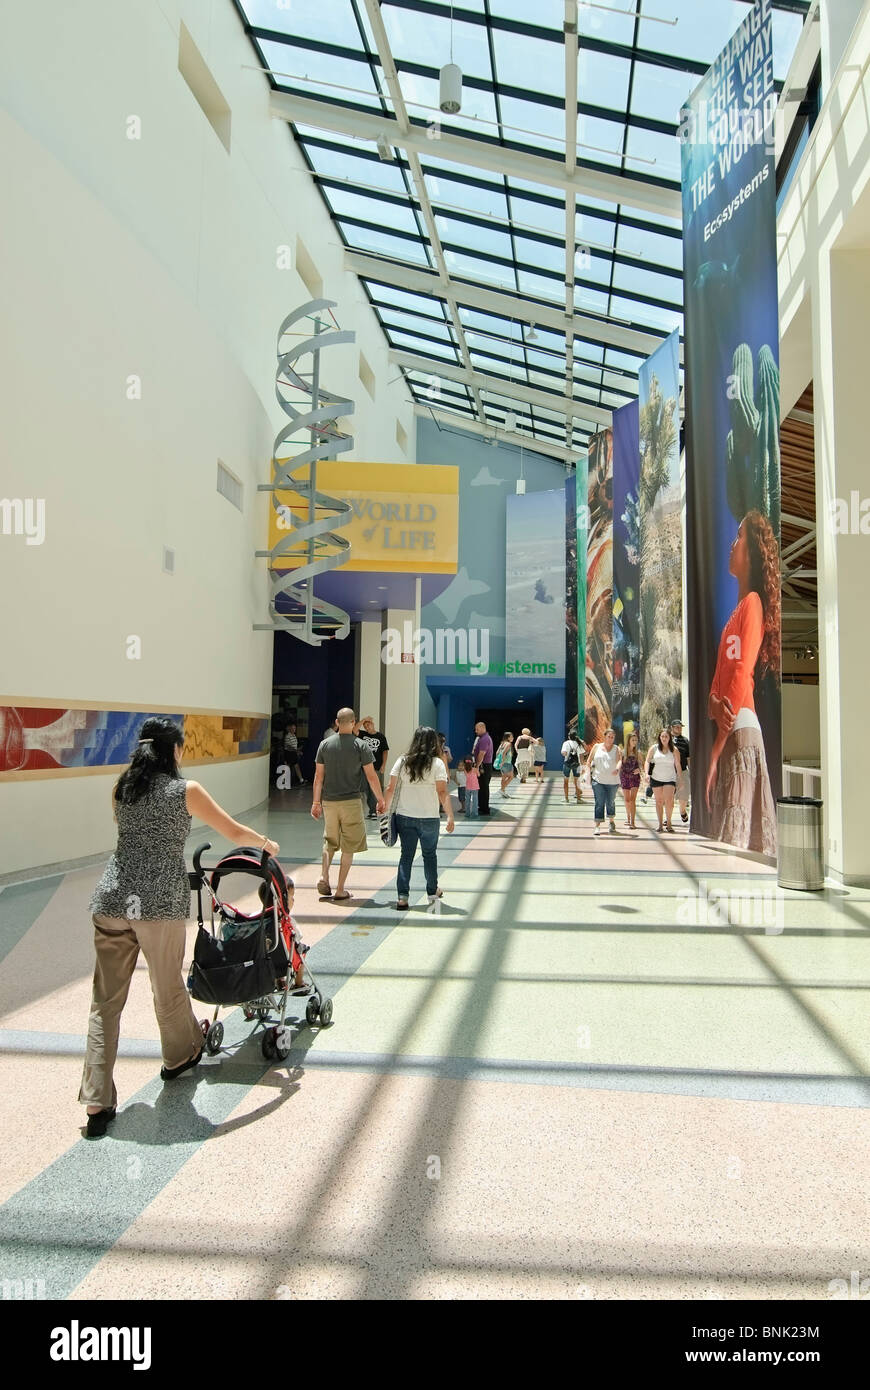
(539, 758)
(663, 767)
(603, 762)
(421, 779)
(573, 752)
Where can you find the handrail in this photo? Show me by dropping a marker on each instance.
(807, 775)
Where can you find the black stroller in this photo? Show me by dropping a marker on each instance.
(250, 959)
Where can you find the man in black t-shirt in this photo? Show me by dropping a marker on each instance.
(682, 746)
(377, 745)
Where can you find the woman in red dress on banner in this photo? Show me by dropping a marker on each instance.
(738, 791)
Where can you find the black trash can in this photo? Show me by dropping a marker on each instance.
(800, 860)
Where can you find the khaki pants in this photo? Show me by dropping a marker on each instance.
(118, 943)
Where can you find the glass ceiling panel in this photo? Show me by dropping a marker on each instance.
(403, 299)
(541, 216)
(658, 155)
(365, 239)
(420, 34)
(412, 323)
(348, 204)
(325, 74)
(467, 234)
(537, 127)
(664, 321)
(472, 268)
(660, 92)
(519, 59)
(310, 19)
(663, 250)
(602, 80)
(484, 201)
(425, 39)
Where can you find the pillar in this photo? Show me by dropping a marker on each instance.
(400, 684)
(369, 674)
(838, 19)
(841, 312)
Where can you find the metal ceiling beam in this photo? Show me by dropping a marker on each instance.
(382, 44)
(529, 443)
(610, 188)
(502, 304)
(571, 41)
(503, 386)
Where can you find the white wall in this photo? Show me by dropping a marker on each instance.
(154, 258)
(801, 737)
(824, 286)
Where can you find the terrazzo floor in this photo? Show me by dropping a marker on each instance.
(623, 1067)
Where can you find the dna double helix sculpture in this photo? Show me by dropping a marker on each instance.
(312, 519)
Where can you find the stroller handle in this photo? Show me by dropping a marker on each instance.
(197, 856)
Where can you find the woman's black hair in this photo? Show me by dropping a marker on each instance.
(424, 747)
(154, 756)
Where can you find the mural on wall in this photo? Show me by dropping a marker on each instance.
(625, 692)
(535, 584)
(661, 540)
(599, 587)
(71, 740)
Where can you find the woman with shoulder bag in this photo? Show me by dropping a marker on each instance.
(421, 779)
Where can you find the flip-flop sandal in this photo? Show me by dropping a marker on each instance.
(341, 897)
(324, 889)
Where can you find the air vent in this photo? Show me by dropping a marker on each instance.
(229, 486)
(308, 272)
(196, 74)
(168, 560)
(366, 376)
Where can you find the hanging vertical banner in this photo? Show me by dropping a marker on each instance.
(661, 539)
(535, 585)
(625, 691)
(581, 531)
(572, 633)
(599, 587)
(732, 440)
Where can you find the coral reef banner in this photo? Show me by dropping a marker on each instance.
(599, 587)
(732, 441)
(625, 690)
(661, 540)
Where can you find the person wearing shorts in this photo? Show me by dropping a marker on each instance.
(341, 760)
(539, 758)
(573, 752)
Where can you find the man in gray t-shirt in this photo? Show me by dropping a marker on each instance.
(341, 759)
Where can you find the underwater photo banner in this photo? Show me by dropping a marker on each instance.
(732, 441)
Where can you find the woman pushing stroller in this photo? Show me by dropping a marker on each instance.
(142, 903)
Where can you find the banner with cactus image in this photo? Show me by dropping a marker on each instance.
(732, 441)
(661, 540)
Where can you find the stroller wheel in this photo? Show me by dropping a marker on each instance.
(248, 1013)
(312, 1009)
(282, 1046)
(214, 1038)
(268, 1045)
(263, 1013)
(326, 1012)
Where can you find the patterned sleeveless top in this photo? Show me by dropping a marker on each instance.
(146, 877)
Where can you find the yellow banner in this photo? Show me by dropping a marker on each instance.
(404, 517)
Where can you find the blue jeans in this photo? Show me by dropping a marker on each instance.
(471, 801)
(605, 801)
(411, 830)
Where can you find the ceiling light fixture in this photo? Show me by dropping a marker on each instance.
(531, 335)
(385, 149)
(450, 94)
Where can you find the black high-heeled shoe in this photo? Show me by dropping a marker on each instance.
(98, 1123)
